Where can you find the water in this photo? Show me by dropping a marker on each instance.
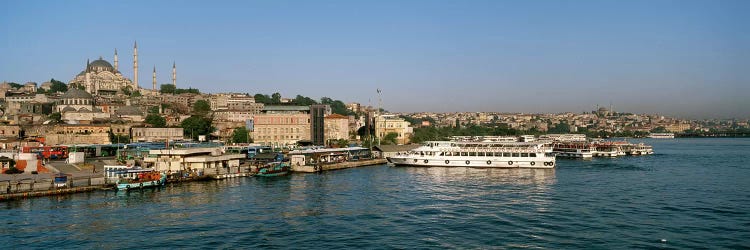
(693, 193)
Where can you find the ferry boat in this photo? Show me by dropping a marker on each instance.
(478, 154)
(273, 169)
(661, 135)
(145, 178)
(608, 149)
(638, 149)
(580, 150)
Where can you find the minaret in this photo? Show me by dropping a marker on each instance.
(154, 78)
(116, 62)
(135, 65)
(87, 82)
(174, 75)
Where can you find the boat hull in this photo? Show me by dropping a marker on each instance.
(479, 162)
(272, 174)
(146, 184)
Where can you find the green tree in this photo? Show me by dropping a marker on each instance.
(56, 117)
(561, 128)
(153, 110)
(659, 129)
(240, 135)
(15, 85)
(197, 125)
(201, 107)
(136, 93)
(261, 98)
(390, 139)
(188, 90)
(127, 90)
(117, 138)
(167, 89)
(304, 101)
(57, 86)
(276, 98)
(156, 120)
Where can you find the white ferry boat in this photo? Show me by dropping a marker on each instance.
(580, 150)
(661, 135)
(638, 149)
(478, 154)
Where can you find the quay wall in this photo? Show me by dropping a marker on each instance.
(336, 166)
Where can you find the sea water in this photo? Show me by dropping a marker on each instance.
(692, 193)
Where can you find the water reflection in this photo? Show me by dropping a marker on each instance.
(517, 176)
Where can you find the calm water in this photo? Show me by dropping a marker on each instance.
(693, 193)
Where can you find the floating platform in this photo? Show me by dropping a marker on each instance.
(22, 195)
(337, 166)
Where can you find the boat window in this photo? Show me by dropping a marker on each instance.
(442, 153)
(472, 153)
(506, 154)
(464, 153)
(524, 154)
(515, 154)
(532, 154)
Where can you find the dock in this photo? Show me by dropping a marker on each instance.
(337, 166)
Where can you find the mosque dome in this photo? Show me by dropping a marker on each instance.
(101, 65)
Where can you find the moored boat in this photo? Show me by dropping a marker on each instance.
(478, 154)
(145, 178)
(272, 169)
(582, 150)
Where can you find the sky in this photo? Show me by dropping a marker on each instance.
(687, 59)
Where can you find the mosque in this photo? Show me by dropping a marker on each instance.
(102, 78)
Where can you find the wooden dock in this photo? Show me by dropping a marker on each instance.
(23, 195)
(337, 166)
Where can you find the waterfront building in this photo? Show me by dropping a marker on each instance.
(317, 123)
(282, 125)
(198, 161)
(70, 134)
(386, 124)
(336, 127)
(157, 134)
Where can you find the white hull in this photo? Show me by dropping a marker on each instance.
(475, 162)
(577, 155)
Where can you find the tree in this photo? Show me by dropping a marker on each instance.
(303, 101)
(56, 117)
(390, 139)
(117, 138)
(156, 120)
(153, 110)
(167, 89)
(197, 125)
(127, 90)
(136, 93)
(201, 107)
(240, 135)
(15, 85)
(57, 86)
(261, 98)
(276, 98)
(659, 129)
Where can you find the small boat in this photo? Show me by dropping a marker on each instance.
(144, 179)
(272, 169)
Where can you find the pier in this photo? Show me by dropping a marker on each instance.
(337, 166)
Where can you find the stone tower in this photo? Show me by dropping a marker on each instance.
(116, 62)
(174, 75)
(154, 82)
(135, 65)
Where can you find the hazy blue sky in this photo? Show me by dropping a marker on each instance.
(682, 58)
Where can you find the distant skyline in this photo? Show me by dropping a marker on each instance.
(686, 59)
